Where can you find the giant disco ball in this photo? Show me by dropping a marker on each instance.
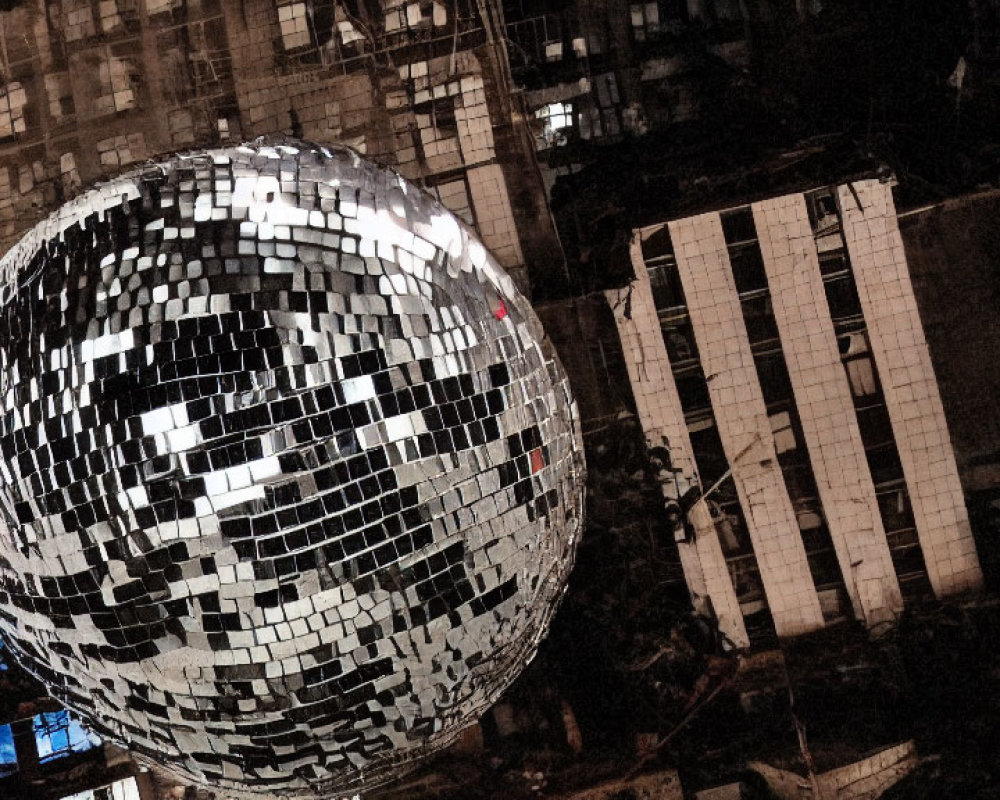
(291, 481)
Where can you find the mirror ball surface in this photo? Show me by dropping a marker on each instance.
(291, 481)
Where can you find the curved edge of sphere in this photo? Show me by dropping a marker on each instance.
(291, 480)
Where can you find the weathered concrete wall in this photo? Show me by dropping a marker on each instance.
(744, 427)
(824, 403)
(912, 395)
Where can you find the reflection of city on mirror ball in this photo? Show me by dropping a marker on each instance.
(288, 468)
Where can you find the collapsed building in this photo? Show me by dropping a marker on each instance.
(788, 336)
